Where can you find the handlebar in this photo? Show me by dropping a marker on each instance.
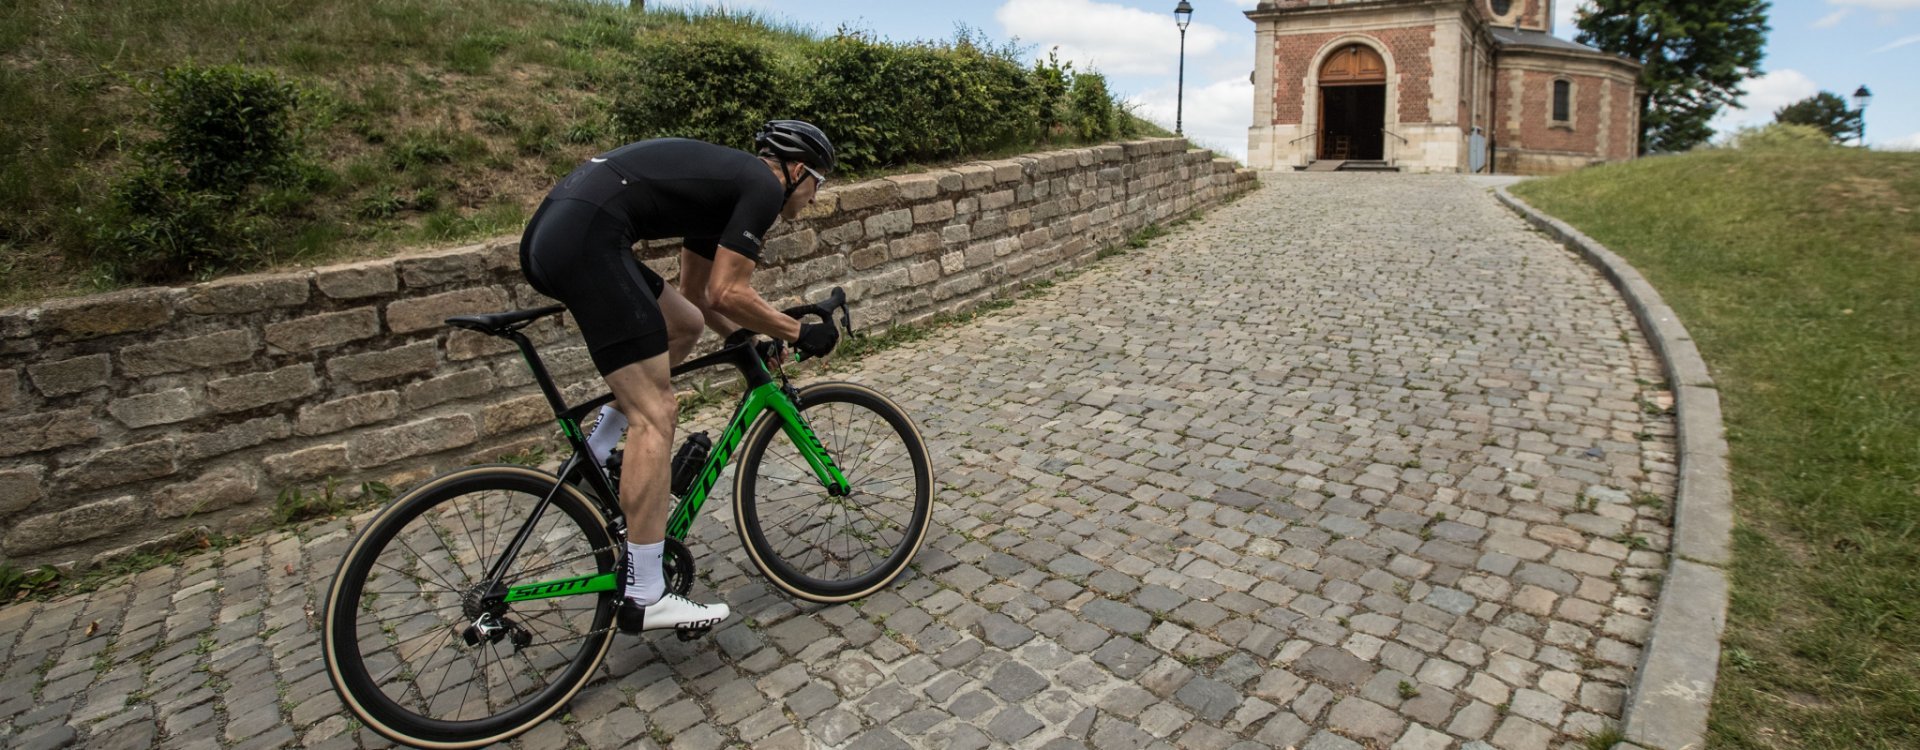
(823, 309)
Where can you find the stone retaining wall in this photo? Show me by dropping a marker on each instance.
(147, 417)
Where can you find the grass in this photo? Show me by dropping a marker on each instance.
(433, 122)
(1798, 274)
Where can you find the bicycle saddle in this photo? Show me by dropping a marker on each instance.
(501, 323)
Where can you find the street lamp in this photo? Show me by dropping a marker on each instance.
(1860, 98)
(1182, 15)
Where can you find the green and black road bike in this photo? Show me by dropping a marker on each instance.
(475, 606)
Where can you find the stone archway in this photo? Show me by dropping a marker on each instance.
(1353, 104)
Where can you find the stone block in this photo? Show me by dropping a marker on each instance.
(458, 265)
(91, 521)
(464, 345)
(352, 411)
(46, 430)
(927, 213)
(464, 384)
(515, 414)
(20, 488)
(414, 358)
(9, 390)
(916, 246)
(867, 257)
(327, 329)
(307, 463)
(867, 195)
(196, 352)
(213, 491)
(245, 294)
(974, 176)
(107, 314)
(890, 223)
(124, 465)
(409, 315)
(916, 187)
(357, 280)
(70, 376)
(841, 234)
(164, 407)
(261, 388)
(412, 439)
(792, 246)
(235, 437)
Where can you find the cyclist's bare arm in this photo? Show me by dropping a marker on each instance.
(728, 296)
(694, 273)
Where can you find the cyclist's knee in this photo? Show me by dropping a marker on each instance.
(654, 417)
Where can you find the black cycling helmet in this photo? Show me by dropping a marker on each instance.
(795, 140)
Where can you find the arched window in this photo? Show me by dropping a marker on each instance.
(1501, 7)
(1562, 100)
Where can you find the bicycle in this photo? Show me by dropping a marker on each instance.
(507, 625)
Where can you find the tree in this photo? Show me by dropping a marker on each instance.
(1826, 111)
(1694, 53)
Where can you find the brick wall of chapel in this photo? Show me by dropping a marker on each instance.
(1407, 52)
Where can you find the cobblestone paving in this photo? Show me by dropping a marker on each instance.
(1355, 462)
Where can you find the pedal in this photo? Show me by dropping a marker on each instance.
(688, 634)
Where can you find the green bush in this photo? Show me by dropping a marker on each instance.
(1092, 108)
(714, 83)
(1780, 136)
(224, 126)
(204, 192)
(1051, 79)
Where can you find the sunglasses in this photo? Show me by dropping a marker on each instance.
(819, 180)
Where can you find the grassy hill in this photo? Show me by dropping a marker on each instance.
(417, 121)
(1797, 270)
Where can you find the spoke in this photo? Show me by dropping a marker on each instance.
(414, 577)
(408, 616)
(423, 561)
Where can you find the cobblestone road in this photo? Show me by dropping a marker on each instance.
(1355, 462)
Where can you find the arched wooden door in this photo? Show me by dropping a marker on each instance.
(1353, 104)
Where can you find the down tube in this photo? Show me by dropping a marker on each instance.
(684, 511)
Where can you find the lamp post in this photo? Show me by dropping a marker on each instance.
(1182, 15)
(1860, 98)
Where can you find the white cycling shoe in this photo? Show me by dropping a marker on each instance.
(674, 612)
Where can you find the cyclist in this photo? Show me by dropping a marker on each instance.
(578, 249)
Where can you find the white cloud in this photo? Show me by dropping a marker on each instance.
(1216, 117)
(1897, 44)
(1108, 38)
(1832, 19)
(1764, 95)
(1879, 4)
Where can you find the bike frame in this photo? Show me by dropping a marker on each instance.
(764, 393)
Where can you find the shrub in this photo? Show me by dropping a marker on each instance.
(715, 83)
(889, 104)
(224, 126)
(1092, 109)
(194, 204)
(1051, 78)
(1780, 136)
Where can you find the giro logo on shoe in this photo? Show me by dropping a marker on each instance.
(699, 624)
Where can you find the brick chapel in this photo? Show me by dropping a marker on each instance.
(1434, 86)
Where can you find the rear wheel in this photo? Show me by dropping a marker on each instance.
(834, 549)
(424, 654)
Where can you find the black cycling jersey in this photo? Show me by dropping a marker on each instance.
(578, 247)
(711, 196)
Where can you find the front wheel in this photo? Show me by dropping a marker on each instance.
(833, 549)
(422, 651)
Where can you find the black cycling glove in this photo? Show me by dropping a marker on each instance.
(817, 339)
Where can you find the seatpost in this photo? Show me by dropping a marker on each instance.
(539, 372)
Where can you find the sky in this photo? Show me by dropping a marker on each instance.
(1815, 45)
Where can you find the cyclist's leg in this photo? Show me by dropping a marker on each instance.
(644, 391)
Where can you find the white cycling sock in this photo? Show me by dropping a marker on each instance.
(645, 583)
(606, 433)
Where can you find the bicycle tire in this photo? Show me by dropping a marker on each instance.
(354, 621)
(770, 495)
